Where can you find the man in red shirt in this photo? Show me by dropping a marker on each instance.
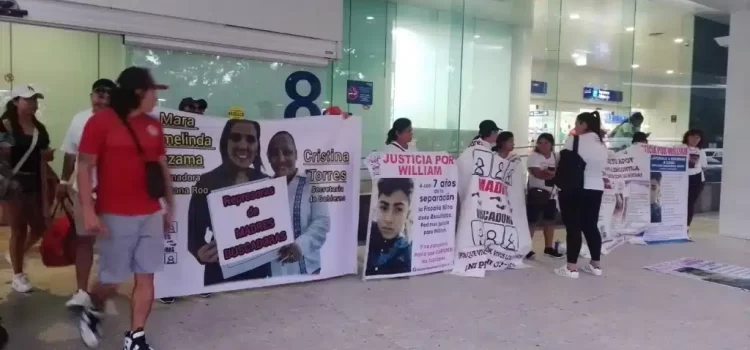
(126, 147)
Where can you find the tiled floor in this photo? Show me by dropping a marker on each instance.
(628, 309)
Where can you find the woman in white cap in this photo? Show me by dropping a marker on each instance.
(29, 152)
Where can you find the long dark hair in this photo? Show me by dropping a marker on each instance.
(11, 114)
(694, 132)
(545, 136)
(224, 142)
(502, 138)
(399, 126)
(593, 122)
(123, 101)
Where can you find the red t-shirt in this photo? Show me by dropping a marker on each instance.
(120, 169)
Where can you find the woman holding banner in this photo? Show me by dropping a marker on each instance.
(697, 161)
(240, 154)
(579, 207)
(310, 220)
(399, 137)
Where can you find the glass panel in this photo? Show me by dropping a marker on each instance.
(224, 82)
(65, 79)
(543, 112)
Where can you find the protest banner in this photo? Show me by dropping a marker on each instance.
(251, 223)
(705, 270)
(493, 231)
(314, 183)
(412, 214)
(668, 194)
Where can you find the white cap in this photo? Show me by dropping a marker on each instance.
(25, 92)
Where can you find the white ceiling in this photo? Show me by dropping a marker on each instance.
(601, 33)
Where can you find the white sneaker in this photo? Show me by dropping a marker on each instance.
(588, 268)
(563, 271)
(21, 283)
(90, 327)
(80, 299)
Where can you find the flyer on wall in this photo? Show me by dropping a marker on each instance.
(412, 216)
(259, 203)
(493, 231)
(668, 195)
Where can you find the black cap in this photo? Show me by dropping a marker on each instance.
(137, 78)
(186, 102)
(487, 127)
(202, 104)
(103, 84)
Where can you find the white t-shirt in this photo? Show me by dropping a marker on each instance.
(595, 154)
(395, 148)
(537, 160)
(697, 161)
(73, 139)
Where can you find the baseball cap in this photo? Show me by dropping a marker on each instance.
(103, 84)
(333, 110)
(135, 78)
(487, 126)
(25, 91)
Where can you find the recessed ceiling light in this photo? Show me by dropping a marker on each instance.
(575, 16)
(370, 18)
(670, 72)
(477, 36)
(635, 66)
(679, 40)
(575, 55)
(630, 29)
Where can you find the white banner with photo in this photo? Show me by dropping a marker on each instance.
(259, 203)
(493, 231)
(668, 195)
(412, 221)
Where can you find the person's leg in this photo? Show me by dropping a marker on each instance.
(694, 192)
(592, 201)
(569, 210)
(18, 232)
(84, 256)
(116, 250)
(147, 260)
(531, 216)
(37, 222)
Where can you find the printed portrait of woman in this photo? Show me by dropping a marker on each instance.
(240, 149)
(389, 248)
(310, 221)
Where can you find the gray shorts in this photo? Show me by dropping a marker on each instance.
(132, 245)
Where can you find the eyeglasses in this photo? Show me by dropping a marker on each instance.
(237, 137)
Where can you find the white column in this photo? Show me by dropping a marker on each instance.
(520, 86)
(735, 188)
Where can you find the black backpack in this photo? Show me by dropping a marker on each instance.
(570, 169)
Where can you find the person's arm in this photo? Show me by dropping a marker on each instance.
(92, 141)
(703, 159)
(314, 236)
(70, 150)
(535, 167)
(198, 222)
(168, 193)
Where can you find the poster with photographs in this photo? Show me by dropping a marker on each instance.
(259, 203)
(668, 190)
(705, 270)
(412, 217)
(493, 231)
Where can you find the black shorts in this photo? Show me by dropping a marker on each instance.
(544, 213)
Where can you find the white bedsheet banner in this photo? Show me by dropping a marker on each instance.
(493, 232)
(259, 203)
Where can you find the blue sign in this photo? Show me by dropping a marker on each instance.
(359, 92)
(590, 93)
(539, 87)
(615, 119)
(668, 163)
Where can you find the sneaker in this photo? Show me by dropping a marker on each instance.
(80, 299)
(206, 295)
(90, 327)
(21, 283)
(563, 271)
(596, 271)
(531, 255)
(169, 300)
(136, 340)
(552, 252)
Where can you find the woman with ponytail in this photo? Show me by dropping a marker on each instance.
(399, 137)
(29, 153)
(579, 207)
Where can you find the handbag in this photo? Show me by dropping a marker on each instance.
(570, 169)
(58, 247)
(154, 173)
(9, 185)
(538, 196)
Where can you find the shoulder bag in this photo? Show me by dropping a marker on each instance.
(154, 173)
